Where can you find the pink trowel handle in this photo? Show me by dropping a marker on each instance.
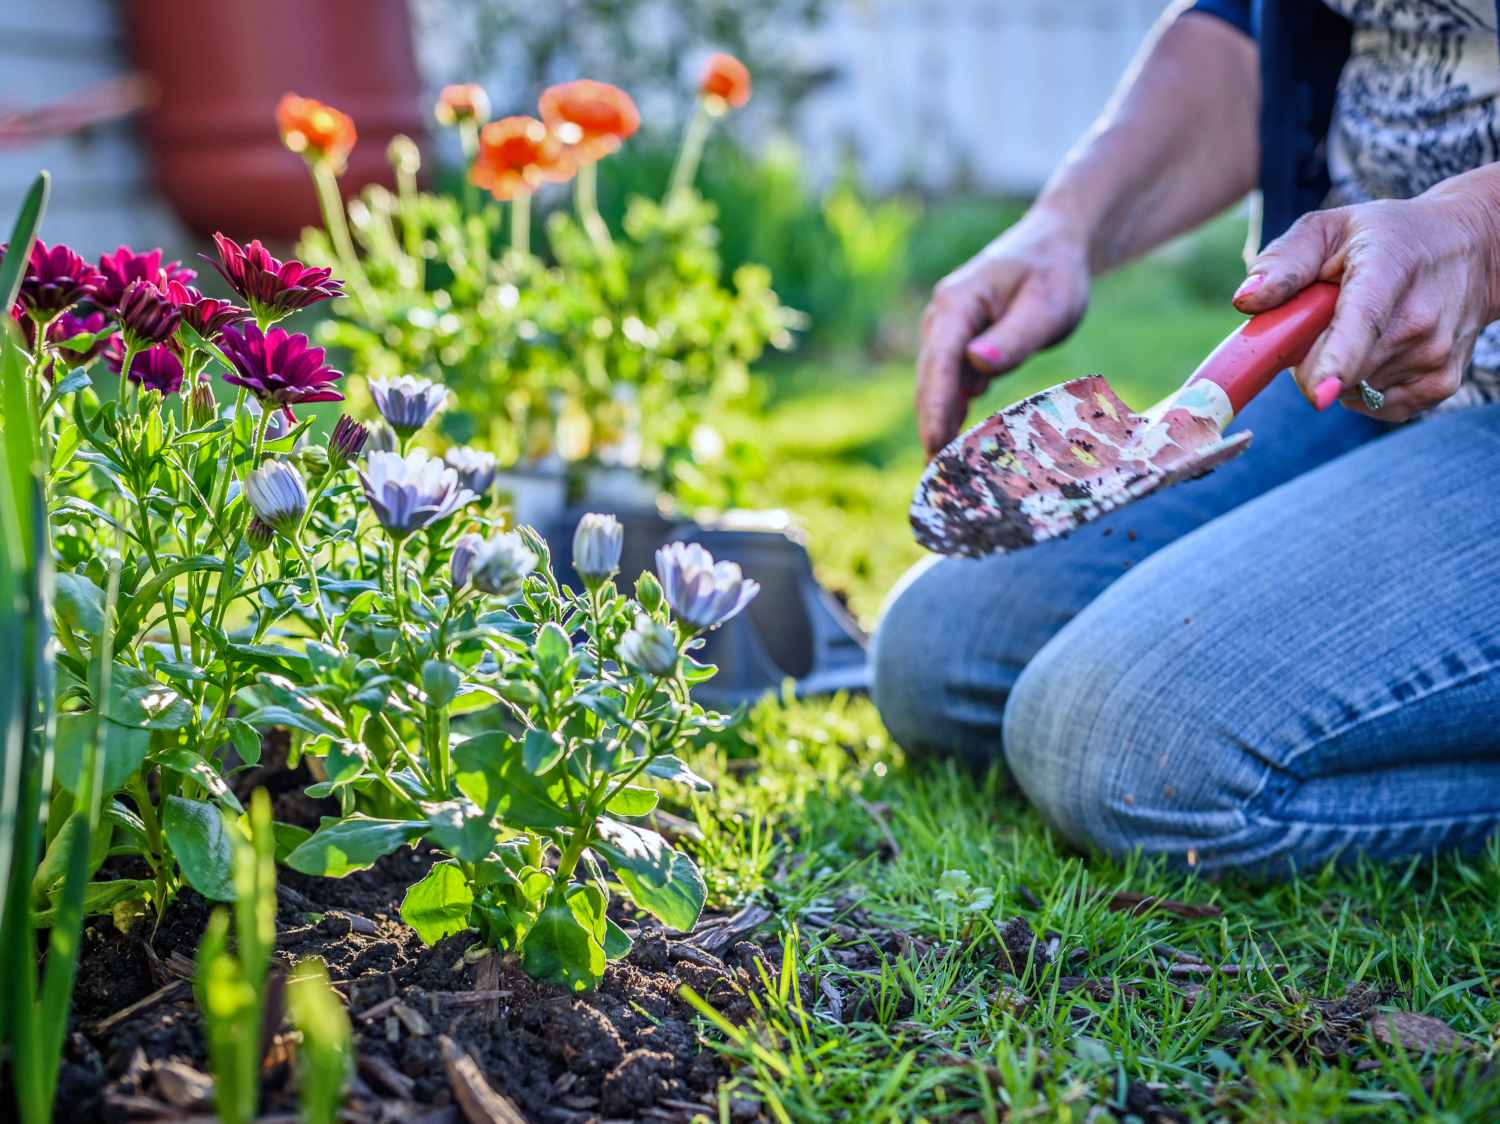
(1246, 362)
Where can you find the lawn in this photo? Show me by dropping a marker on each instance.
(945, 956)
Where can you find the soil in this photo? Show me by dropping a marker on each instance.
(626, 1051)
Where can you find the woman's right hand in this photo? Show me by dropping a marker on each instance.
(1023, 292)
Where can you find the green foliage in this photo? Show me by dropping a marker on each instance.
(230, 985)
(614, 348)
(325, 1054)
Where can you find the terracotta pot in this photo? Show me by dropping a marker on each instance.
(220, 68)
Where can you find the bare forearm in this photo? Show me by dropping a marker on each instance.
(1177, 144)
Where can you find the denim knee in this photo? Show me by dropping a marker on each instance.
(920, 681)
(1118, 751)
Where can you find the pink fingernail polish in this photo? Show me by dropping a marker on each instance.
(985, 353)
(1325, 392)
(1249, 285)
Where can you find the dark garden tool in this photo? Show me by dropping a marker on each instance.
(1058, 459)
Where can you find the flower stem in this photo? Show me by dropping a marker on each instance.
(396, 580)
(468, 137)
(337, 225)
(317, 594)
(690, 155)
(586, 200)
(520, 225)
(130, 354)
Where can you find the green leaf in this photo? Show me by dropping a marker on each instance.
(342, 846)
(124, 747)
(670, 768)
(22, 235)
(80, 604)
(491, 773)
(200, 840)
(617, 942)
(633, 800)
(552, 648)
(98, 897)
(137, 698)
(182, 760)
(660, 880)
(565, 944)
(267, 717)
(540, 750)
(288, 838)
(461, 828)
(246, 740)
(439, 905)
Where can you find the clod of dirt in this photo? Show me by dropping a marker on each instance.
(1019, 947)
(1419, 1034)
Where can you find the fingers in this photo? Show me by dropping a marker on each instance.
(1041, 312)
(945, 382)
(1406, 400)
(1291, 263)
(1349, 349)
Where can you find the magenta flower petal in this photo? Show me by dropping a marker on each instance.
(55, 279)
(156, 368)
(272, 288)
(123, 266)
(278, 367)
(208, 316)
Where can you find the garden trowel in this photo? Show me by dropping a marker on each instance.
(1058, 459)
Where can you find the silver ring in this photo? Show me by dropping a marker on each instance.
(1374, 400)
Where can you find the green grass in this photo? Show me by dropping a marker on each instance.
(929, 1029)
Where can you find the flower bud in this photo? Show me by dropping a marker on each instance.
(462, 103)
(314, 461)
(596, 547)
(461, 563)
(202, 407)
(648, 591)
(404, 154)
(277, 495)
(346, 442)
(440, 681)
(502, 563)
(649, 647)
(258, 535)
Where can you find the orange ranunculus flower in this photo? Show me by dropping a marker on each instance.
(314, 130)
(516, 156)
(590, 117)
(464, 102)
(726, 79)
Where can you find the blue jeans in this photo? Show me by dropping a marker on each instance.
(1294, 659)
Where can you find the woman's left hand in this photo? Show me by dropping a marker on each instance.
(1418, 282)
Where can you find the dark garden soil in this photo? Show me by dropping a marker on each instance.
(439, 1036)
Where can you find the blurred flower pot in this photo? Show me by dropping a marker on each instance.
(218, 70)
(537, 494)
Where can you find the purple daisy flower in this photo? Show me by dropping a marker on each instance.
(407, 402)
(410, 492)
(156, 368)
(272, 288)
(208, 316)
(703, 593)
(146, 314)
(71, 324)
(55, 279)
(278, 367)
(124, 266)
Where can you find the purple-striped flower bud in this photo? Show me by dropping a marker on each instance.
(461, 564)
(203, 406)
(502, 563)
(277, 495)
(596, 547)
(259, 534)
(346, 442)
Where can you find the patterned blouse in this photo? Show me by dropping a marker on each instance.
(1418, 101)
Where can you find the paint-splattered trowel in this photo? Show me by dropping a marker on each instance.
(1056, 460)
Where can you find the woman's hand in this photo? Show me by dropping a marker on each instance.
(1025, 291)
(1418, 283)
